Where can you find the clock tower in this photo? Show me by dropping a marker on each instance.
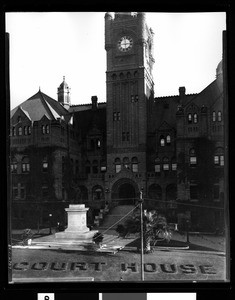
(129, 87)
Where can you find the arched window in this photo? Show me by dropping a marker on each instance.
(98, 143)
(192, 157)
(114, 76)
(213, 116)
(25, 165)
(95, 166)
(134, 164)
(219, 116)
(97, 193)
(168, 139)
(173, 164)
(195, 118)
(121, 75)
(47, 129)
(14, 164)
(118, 166)
(88, 167)
(162, 141)
(25, 130)
(128, 75)
(165, 165)
(29, 130)
(157, 165)
(189, 118)
(20, 131)
(45, 165)
(126, 162)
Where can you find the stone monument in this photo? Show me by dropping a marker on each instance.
(77, 229)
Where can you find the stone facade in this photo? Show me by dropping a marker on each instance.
(102, 154)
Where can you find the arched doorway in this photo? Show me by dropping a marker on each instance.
(126, 194)
(125, 191)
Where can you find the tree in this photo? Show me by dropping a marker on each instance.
(155, 228)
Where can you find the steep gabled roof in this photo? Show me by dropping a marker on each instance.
(39, 105)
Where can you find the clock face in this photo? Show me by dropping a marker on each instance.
(125, 43)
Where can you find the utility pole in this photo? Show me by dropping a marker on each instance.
(141, 236)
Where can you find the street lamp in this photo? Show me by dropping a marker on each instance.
(50, 224)
(141, 235)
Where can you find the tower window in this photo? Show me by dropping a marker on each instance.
(118, 116)
(45, 165)
(125, 136)
(115, 116)
(219, 116)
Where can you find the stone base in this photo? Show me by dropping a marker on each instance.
(76, 236)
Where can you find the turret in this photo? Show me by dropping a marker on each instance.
(64, 94)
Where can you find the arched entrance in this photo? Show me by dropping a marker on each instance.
(125, 192)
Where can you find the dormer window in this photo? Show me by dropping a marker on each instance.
(162, 141)
(13, 131)
(168, 139)
(213, 116)
(43, 129)
(189, 118)
(47, 129)
(20, 131)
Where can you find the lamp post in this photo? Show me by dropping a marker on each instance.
(141, 236)
(50, 224)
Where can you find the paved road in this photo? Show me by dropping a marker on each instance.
(159, 266)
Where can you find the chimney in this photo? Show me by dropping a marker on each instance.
(94, 100)
(182, 91)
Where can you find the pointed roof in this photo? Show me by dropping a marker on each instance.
(39, 105)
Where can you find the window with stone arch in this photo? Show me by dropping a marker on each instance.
(25, 165)
(157, 165)
(20, 131)
(189, 118)
(118, 165)
(126, 162)
(134, 164)
(165, 164)
(97, 193)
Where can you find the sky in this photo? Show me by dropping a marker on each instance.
(44, 47)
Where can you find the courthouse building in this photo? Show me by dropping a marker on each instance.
(105, 153)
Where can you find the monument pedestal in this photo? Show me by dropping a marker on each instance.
(77, 229)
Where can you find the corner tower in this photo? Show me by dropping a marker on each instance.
(63, 93)
(129, 86)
